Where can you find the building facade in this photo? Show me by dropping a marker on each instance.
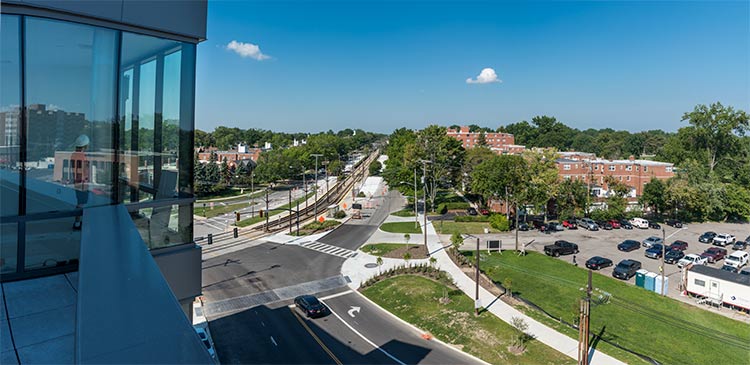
(233, 156)
(106, 88)
(500, 143)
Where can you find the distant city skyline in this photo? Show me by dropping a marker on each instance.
(310, 67)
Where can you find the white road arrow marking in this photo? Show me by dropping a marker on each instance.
(352, 311)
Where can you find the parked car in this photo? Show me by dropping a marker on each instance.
(605, 225)
(626, 269)
(655, 251)
(588, 223)
(523, 226)
(691, 259)
(484, 211)
(471, 211)
(624, 223)
(555, 227)
(674, 223)
(639, 223)
(673, 256)
(730, 268)
(714, 254)
(570, 224)
(561, 247)
(740, 245)
(629, 245)
(654, 225)
(724, 239)
(615, 223)
(745, 271)
(678, 245)
(737, 259)
(206, 342)
(651, 241)
(598, 263)
(311, 306)
(707, 237)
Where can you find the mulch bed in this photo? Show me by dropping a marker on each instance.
(416, 252)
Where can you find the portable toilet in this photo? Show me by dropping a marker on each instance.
(657, 284)
(640, 277)
(650, 281)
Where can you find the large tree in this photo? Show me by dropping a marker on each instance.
(443, 155)
(717, 131)
(500, 175)
(654, 195)
(543, 180)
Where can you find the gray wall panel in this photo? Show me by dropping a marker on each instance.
(182, 269)
(109, 9)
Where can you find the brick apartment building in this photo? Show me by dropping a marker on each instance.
(233, 156)
(501, 143)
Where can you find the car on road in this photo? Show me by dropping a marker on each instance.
(484, 211)
(605, 225)
(561, 247)
(311, 306)
(626, 269)
(678, 245)
(639, 223)
(740, 245)
(737, 259)
(570, 224)
(615, 223)
(588, 223)
(674, 223)
(471, 211)
(724, 239)
(673, 256)
(649, 242)
(629, 245)
(714, 254)
(523, 226)
(707, 237)
(624, 223)
(206, 342)
(655, 251)
(598, 263)
(654, 225)
(691, 259)
(555, 227)
(730, 268)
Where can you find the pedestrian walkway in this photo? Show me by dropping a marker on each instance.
(328, 249)
(504, 311)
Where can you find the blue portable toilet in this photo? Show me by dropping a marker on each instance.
(640, 277)
(657, 284)
(650, 281)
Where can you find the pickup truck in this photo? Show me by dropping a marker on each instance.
(691, 259)
(724, 239)
(714, 254)
(561, 248)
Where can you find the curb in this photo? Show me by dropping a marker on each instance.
(433, 338)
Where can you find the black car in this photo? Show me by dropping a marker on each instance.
(598, 262)
(471, 211)
(626, 269)
(740, 245)
(523, 226)
(629, 245)
(605, 225)
(707, 237)
(673, 256)
(655, 251)
(653, 225)
(311, 306)
(624, 223)
(674, 223)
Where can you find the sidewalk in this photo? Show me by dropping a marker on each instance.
(504, 311)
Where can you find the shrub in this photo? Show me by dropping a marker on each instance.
(499, 222)
(472, 218)
(361, 194)
(340, 214)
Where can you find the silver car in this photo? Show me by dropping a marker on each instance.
(588, 223)
(651, 241)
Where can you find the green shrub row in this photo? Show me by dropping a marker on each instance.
(472, 218)
(427, 270)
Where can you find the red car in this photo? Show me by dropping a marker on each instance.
(615, 223)
(678, 245)
(714, 254)
(484, 211)
(569, 224)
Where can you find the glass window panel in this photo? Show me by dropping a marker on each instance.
(51, 243)
(70, 90)
(10, 114)
(8, 247)
(164, 226)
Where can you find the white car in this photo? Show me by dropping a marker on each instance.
(737, 259)
(691, 259)
(724, 239)
(639, 223)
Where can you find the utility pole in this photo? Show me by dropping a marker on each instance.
(507, 206)
(416, 202)
(266, 210)
(315, 204)
(663, 252)
(290, 210)
(476, 281)
(304, 186)
(524, 250)
(252, 193)
(583, 326)
(424, 185)
(290, 221)
(325, 163)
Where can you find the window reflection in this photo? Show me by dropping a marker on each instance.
(10, 123)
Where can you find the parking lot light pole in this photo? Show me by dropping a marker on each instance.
(476, 276)
(424, 210)
(663, 252)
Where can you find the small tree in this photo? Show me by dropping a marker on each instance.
(433, 261)
(407, 257)
(456, 240)
(522, 336)
(407, 237)
(508, 284)
(379, 262)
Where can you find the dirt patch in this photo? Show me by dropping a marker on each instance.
(416, 252)
(516, 350)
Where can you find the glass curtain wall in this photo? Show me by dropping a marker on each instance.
(91, 116)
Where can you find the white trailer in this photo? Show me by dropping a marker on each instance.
(719, 286)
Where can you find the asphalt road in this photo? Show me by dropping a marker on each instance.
(248, 294)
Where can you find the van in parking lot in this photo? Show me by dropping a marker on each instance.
(639, 223)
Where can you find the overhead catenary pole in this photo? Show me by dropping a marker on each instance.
(290, 210)
(266, 210)
(315, 204)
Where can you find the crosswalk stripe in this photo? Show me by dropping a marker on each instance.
(328, 249)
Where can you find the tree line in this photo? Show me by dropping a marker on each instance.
(711, 156)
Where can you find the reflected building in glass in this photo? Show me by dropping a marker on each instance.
(96, 109)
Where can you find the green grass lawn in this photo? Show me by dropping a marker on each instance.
(256, 219)
(380, 249)
(415, 300)
(404, 213)
(400, 227)
(219, 209)
(448, 227)
(665, 329)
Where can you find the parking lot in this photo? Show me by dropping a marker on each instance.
(604, 243)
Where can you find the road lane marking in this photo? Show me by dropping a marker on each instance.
(336, 295)
(353, 310)
(674, 233)
(316, 338)
(363, 337)
(274, 342)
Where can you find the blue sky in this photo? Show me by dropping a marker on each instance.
(385, 65)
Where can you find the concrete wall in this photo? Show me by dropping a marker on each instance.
(181, 17)
(181, 267)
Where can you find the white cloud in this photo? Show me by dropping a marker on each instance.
(247, 50)
(487, 76)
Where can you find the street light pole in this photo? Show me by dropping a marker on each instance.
(476, 275)
(290, 210)
(416, 202)
(424, 185)
(315, 205)
(663, 252)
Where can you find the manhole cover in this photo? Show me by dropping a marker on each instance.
(371, 265)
